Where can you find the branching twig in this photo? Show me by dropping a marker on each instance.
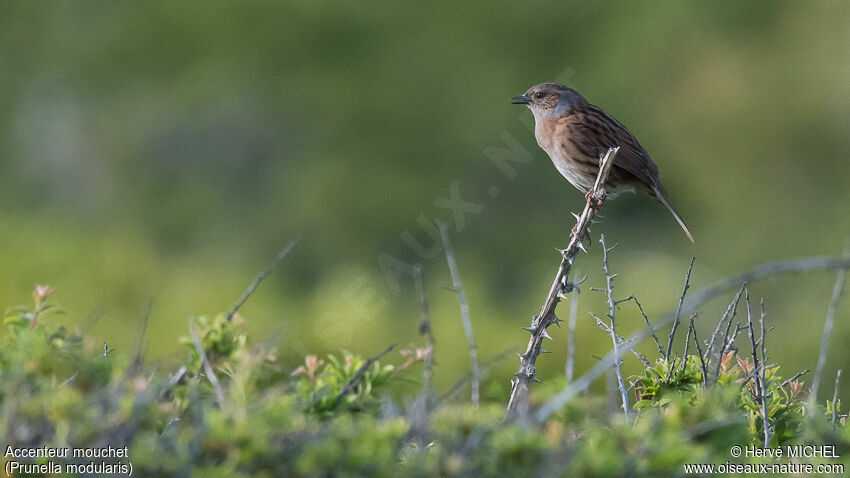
(758, 365)
(518, 404)
(752, 336)
(139, 339)
(262, 275)
(699, 351)
(464, 311)
(210, 373)
(679, 310)
(695, 299)
(620, 339)
(795, 377)
(733, 306)
(726, 342)
(646, 320)
(612, 329)
(687, 343)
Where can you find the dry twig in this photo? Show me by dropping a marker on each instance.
(731, 309)
(795, 377)
(208, 371)
(695, 299)
(262, 275)
(835, 398)
(464, 311)
(699, 350)
(518, 404)
(679, 310)
(615, 339)
(763, 380)
(349, 387)
(646, 320)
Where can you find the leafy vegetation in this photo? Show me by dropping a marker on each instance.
(333, 416)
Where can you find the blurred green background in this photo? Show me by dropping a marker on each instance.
(167, 150)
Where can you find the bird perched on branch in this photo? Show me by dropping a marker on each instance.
(575, 133)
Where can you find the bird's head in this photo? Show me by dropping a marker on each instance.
(550, 100)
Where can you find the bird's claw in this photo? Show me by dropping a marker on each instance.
(594, 203)
(567, 286)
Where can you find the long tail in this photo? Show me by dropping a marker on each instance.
(662, 196)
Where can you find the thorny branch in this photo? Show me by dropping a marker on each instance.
(518, 404)
(646, 320)
(695, 299)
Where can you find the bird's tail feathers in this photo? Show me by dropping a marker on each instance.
(661, 195)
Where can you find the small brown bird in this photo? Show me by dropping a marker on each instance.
(574, 133)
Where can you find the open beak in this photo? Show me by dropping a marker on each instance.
(520, 100)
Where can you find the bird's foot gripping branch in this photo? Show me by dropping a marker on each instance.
(518, 404)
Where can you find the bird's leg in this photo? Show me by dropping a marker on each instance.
(567, 286)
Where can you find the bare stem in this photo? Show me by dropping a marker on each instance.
(208, 371)
(609, 289)
(464, 311)
(699, 351)
(262, 275)
(679, 310)
(646, 320)
(795, 377)
(726, 343)
(733, 306)
(349, 387)
(687, 346)
(695, 299)
(763, 381)
(759, 366)
(518, 404)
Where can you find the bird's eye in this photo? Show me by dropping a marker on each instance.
(538, 95)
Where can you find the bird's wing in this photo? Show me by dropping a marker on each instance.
(599, 131)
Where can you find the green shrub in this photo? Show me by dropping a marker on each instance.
(332, 416)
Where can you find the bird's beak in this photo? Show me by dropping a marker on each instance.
(520, 100)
